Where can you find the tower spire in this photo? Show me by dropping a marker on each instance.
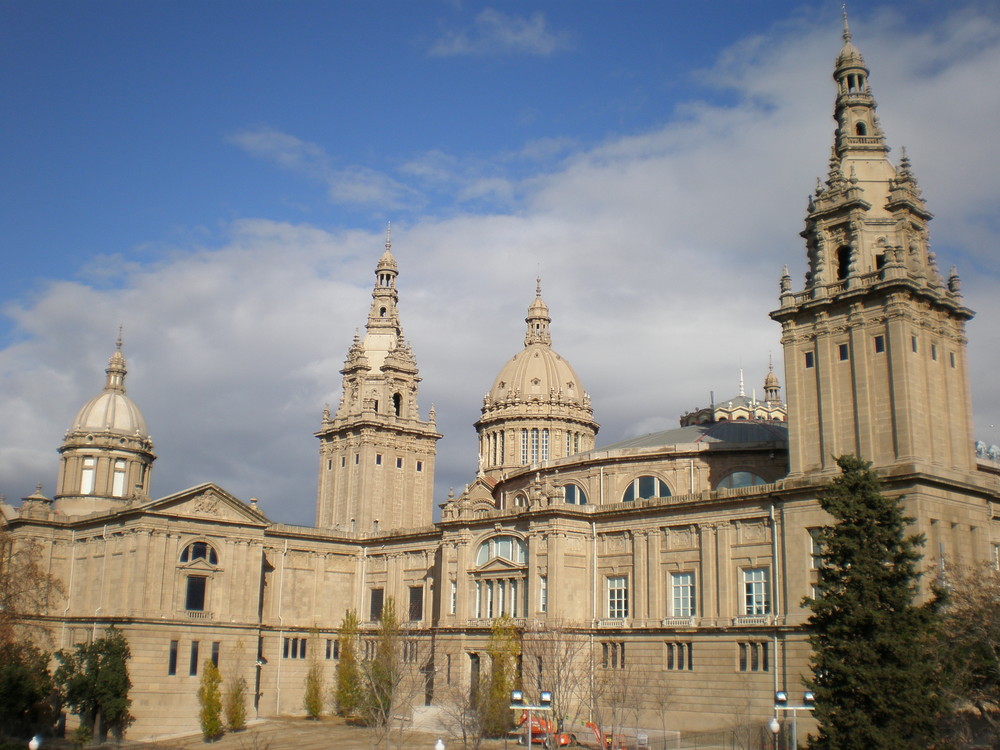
(538, 319)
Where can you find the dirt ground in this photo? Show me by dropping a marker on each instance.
(325, 734)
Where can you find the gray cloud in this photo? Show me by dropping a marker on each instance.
(659, 254)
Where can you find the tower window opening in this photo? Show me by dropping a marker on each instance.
(880, 344)
(810, 360)
(843, 261)
(397, 404)
(87, 476)
(842, 351)
(879, 261)
(860, 129)
(381, 312)
(118, 480)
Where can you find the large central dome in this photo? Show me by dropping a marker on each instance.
(537, 410)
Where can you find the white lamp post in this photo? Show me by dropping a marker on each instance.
(781, 704)
(35, 743)
(775, 726)
(439, 745)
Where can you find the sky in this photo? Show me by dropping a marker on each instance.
(216, 178)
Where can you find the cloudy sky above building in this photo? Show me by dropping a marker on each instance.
(217, 178)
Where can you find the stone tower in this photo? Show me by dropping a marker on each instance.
(875, 346)
(376, 468)
(107, 454)
(537, 409)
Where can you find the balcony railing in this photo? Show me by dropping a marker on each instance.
(746, 620)
(196, 615)
(678, 622)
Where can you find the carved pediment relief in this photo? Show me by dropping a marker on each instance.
(499, 565)
(207, 501)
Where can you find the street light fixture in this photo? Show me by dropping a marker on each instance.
(517, 704)
(781, 704)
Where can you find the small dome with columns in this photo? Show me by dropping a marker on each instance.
(111, 410)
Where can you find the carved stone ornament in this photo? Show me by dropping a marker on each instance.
(206, 504)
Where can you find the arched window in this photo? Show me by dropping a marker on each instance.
(520, 501)
(645, 487)
(860, 129)
(574, 495)
(381, 312)
(506, 547)
(739, 479)
(199, 551)
(397, 403)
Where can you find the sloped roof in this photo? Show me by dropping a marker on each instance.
(731, 432)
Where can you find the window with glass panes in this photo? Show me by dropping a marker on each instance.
(617, 597)
(682, 601)
(756, 592)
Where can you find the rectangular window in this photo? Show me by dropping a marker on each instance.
(87, 478)
(420, 465)
(543, 594)
(172, 658)
(489, 599)
(343, 461)
(329, 464)
(613, 654)
(682, 593)
(416, 603)
(479, 599)
(375, 609)
(545, 445)
(534, 445)
(815, 550)
(513, 598)
(753, 656)
(842, 352)
(913, 344)
(286, 652)
(399, 463)
(193, 665)
(195, 599)
(378, 459)
(357, 458)
(679, 656)
(617, 597)
(951, 357)
(118, 480)
(756, 592)
(329, 647)
(879, 344)
(810, 360)
(216, 647)
(453, 603)
(524, 446)
(934, 352)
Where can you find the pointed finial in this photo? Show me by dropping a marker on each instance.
(388, 235)
(741, 382)
(118, 343)
(770, 362)
(847, 29)
(538, 287)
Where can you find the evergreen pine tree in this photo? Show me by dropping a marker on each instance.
(347, 690)
(873, 675)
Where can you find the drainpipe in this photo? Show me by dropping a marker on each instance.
(777, 603)
(281, 629)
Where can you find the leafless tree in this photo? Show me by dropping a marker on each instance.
(26, 590)
(558, 660)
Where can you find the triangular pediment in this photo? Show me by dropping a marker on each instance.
(207, 501)
(499, 564)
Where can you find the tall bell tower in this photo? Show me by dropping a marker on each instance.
(875, 344)
(376, 468)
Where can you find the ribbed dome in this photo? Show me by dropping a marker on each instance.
(535, 373)
(111, 410)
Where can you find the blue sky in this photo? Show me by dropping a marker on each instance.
(217, 176)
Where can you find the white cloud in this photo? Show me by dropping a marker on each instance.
(659, 254)
(352, 185)
(495, 33)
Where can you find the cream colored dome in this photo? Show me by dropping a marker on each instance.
(111, 410)
(536, 373)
